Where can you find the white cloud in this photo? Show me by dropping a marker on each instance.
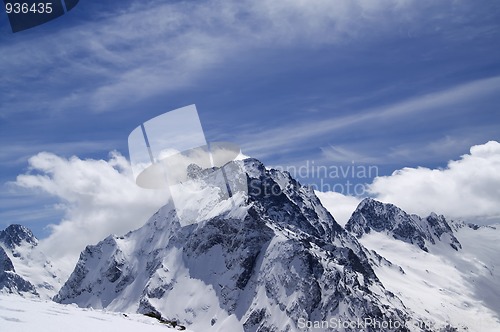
(98, 198)
(340, 206)
(467, 188)
(18, 152)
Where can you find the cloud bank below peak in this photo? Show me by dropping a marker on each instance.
(467, 188)
(98, 197)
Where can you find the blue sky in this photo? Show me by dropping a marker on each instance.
(388, 83)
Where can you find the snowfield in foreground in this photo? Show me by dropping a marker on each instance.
(18, 314)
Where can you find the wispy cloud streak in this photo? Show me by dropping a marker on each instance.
(293, 135)
(152, 48)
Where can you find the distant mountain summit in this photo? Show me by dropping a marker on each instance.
(16, 235)
(269, 257)
(272, 259)
(372, 215)
(10, 281)
(24, 268)
(11, 238)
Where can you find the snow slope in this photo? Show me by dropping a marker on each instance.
(446, 271)
(18, 314)
(30, 263)
(261, 261)
(10, 281)
(445, 286)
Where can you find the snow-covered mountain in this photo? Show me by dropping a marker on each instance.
(24, 269)
(270, 260)
(460, 289)
(15, 236)
(10, 281)
(372, 215)
(449, 270)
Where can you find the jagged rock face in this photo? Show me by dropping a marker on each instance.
(14, 235)
(278, 196)
(264, 261)
(31, 271)
(372, 215)
(5, 262)
(10, 281)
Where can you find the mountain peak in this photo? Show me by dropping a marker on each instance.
(240, 261)
(372, 215)
(10, 281)
(24, 268)
(14, 235)
(5, 262)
